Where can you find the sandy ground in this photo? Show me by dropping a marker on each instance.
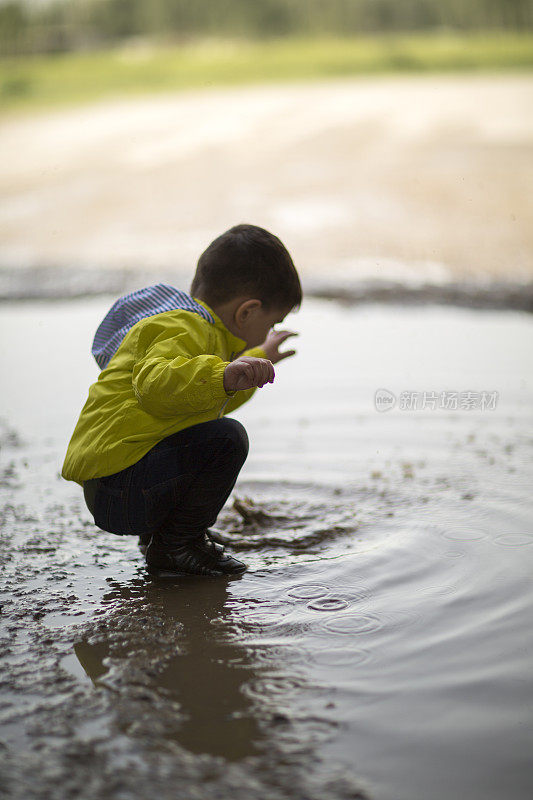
(380, 644)
(391, 177)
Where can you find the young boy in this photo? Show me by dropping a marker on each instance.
(152, 448)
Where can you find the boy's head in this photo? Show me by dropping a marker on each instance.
(247, 276)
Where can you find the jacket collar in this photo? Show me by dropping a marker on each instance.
(237, 345)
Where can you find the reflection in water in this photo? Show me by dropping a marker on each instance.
(91, 658)
(205, 674)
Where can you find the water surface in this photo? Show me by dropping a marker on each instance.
(380, 644)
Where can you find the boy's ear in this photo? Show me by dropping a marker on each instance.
(245, 310)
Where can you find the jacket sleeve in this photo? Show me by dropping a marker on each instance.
(243, 395)
(173, 374)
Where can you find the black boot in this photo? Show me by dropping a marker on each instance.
(212, 534)
(198, 556)
(144, 541)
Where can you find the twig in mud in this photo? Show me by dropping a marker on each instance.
(249, 511)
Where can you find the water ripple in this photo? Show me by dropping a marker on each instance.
(464, 534)
(404, 617)
(353, 623)
(337, 657)
(328, 604)
(308, 591)
(514, 539)
(276, 654)
(437, 591)
(267, 687)
(265, 619)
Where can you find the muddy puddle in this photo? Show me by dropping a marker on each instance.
(379, 646)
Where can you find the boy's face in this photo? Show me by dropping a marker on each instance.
(257, 322)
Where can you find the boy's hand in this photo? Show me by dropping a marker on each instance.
(273, 341)
(245, 372)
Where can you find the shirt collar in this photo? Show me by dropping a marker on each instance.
(237, 344)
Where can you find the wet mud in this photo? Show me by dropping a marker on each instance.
(115, 685)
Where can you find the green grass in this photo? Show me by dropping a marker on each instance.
(51, 81)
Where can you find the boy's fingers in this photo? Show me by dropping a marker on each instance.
(286, 354)
(267, 371)
(248, 374)
(282, 335)
(259, 373)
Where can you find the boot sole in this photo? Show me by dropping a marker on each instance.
(169, 574)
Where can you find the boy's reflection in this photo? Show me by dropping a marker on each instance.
(205, 678)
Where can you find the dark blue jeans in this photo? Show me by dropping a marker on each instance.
(177, 489)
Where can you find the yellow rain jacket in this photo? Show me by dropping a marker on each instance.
(165, 376)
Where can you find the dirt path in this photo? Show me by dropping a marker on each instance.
(384, 176)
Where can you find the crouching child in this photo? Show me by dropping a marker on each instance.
(153, 449)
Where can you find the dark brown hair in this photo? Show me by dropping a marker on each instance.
(249, 260)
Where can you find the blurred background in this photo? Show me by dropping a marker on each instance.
(52, 26)
(387, 142)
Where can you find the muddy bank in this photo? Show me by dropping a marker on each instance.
(55, 283)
